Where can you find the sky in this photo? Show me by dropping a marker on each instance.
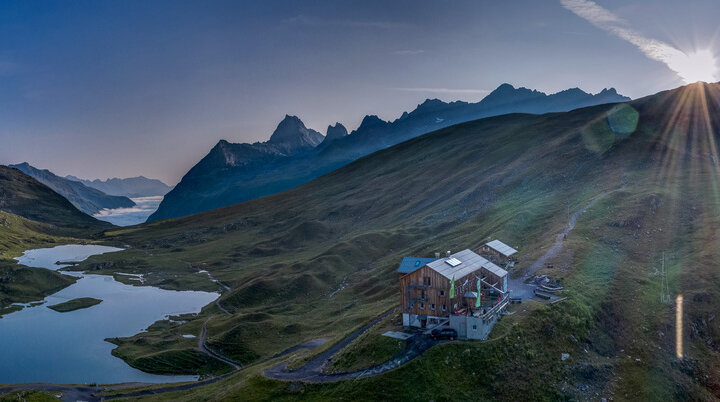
(103, 89)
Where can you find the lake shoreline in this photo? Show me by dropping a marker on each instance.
(126, 311)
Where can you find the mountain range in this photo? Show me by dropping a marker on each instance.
(232, 173)
(86, 199)
(23, 195)
(131, 187)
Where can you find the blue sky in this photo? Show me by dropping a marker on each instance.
(122, 88)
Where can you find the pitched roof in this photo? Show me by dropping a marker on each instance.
(412, 264)
(469, 263)
(501, 247)
(447, 267)
(495, 269)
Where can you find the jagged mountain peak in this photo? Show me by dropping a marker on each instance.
(371, 120)
(574, 90)
(335, 132)
(507, 92)
(288, 129)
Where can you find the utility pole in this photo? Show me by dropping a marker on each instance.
(664, 286)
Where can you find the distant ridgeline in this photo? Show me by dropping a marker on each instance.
(295, 154)
(86, 199)
(27, 197)
(132, 187)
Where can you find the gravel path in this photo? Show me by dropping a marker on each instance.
(312, 371)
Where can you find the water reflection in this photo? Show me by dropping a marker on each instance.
(39, 344)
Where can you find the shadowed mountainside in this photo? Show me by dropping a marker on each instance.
(233, 173)
(320, 259)
(24, 196)
(86, 199)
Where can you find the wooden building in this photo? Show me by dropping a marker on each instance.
(497, 252)
(425, 286)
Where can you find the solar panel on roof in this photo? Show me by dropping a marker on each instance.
(453, 262)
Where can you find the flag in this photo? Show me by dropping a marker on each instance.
(452, 287)
(479, 294)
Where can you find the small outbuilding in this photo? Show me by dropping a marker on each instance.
(497, 252)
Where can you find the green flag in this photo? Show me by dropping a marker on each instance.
(479, 295)
(452, 287)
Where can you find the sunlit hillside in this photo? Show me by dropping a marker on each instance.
(319, 260)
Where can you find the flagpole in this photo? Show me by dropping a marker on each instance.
(452, 294)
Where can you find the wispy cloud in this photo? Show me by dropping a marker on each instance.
(654, 49)
(305, 20)
(408, 52)
(444, 90)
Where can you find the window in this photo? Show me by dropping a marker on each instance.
(474, 327)
(423, 294)
(426, 281)
(442, 293)
(432, 306)
(444, 308)
(422, 306)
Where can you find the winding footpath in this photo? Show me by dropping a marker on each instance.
(558, 246)
(203, 347)
(312, 371)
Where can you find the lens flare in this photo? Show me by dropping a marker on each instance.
(678, 327)
(692, 67)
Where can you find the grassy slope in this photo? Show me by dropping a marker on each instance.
(22, 195)
(20, 284)
(511, 177)
(168, 352)
(370, 348)
(27, 396)
(18, 234)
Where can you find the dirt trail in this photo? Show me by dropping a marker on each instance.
(312, 371)
(559, 239)
(203, 346)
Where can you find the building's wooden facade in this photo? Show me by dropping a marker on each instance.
(425, 293)
(425, 289)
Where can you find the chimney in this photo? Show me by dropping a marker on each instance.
(437, 256)
(447, 254)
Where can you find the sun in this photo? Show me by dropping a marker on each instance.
(697, 66)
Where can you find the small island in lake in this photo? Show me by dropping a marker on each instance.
(75, 304)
